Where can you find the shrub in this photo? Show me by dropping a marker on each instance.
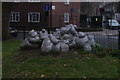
(99, 51)
(102, 51)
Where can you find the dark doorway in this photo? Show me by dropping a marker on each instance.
(83, 20)
(96, 22)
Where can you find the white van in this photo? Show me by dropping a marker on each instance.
(114, 24)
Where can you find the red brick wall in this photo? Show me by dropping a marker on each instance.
(57, 14)
(24, 8)
(60, 9)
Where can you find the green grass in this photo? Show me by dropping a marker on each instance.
(31, 64)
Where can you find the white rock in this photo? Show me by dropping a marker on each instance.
(91, 40)
(75, 27)
(61, 47)
(47, 45)
(57, 34)
(72, 30)
(81, 34)
(56, 48)
(72, 42)
(64, 30)
(65, 36)
(67, 41)
(43, 32)
(31, 32)
(87, 47)
(34, 40)
(26, 43)
(81, 41)
(64, 47)
(34, 34)
(53, 39)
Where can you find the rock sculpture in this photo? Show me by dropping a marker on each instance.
(60, 40)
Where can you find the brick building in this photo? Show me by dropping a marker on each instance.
(44, 14)
(65, 13)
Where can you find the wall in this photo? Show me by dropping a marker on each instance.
(60, 9)
(24, 8)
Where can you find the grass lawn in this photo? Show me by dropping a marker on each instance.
(31, 64)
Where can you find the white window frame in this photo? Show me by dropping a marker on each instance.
(33, 0)
(14, 14)
(31, 13)
(66, 2)
(66, 15)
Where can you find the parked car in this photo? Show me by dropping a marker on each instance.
(13, 32)
(112, 24)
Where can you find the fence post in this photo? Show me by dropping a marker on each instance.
(118, 39)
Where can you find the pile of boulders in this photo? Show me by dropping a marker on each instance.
(60, 40)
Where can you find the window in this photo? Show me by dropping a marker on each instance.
(33, 17)
(66, 1)
(66, 17)
(14, 17)
(33, 0)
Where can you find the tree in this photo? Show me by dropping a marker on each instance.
(89, 8)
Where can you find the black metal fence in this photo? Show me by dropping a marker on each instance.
(107, 38)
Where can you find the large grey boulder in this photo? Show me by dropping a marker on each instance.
(67, 41)
(26, 43)
(47, 45)
(64, 30)
(64, 47)
(53, 39)
(87, 47)
(65, 36)
(43, 33)
(75, 27)
(57, 33)
(33, 33)
(73, 42)
(34, 40)
(72, 30)
(91, 40)
(61, 47)
(81, 41)
(81, 34)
